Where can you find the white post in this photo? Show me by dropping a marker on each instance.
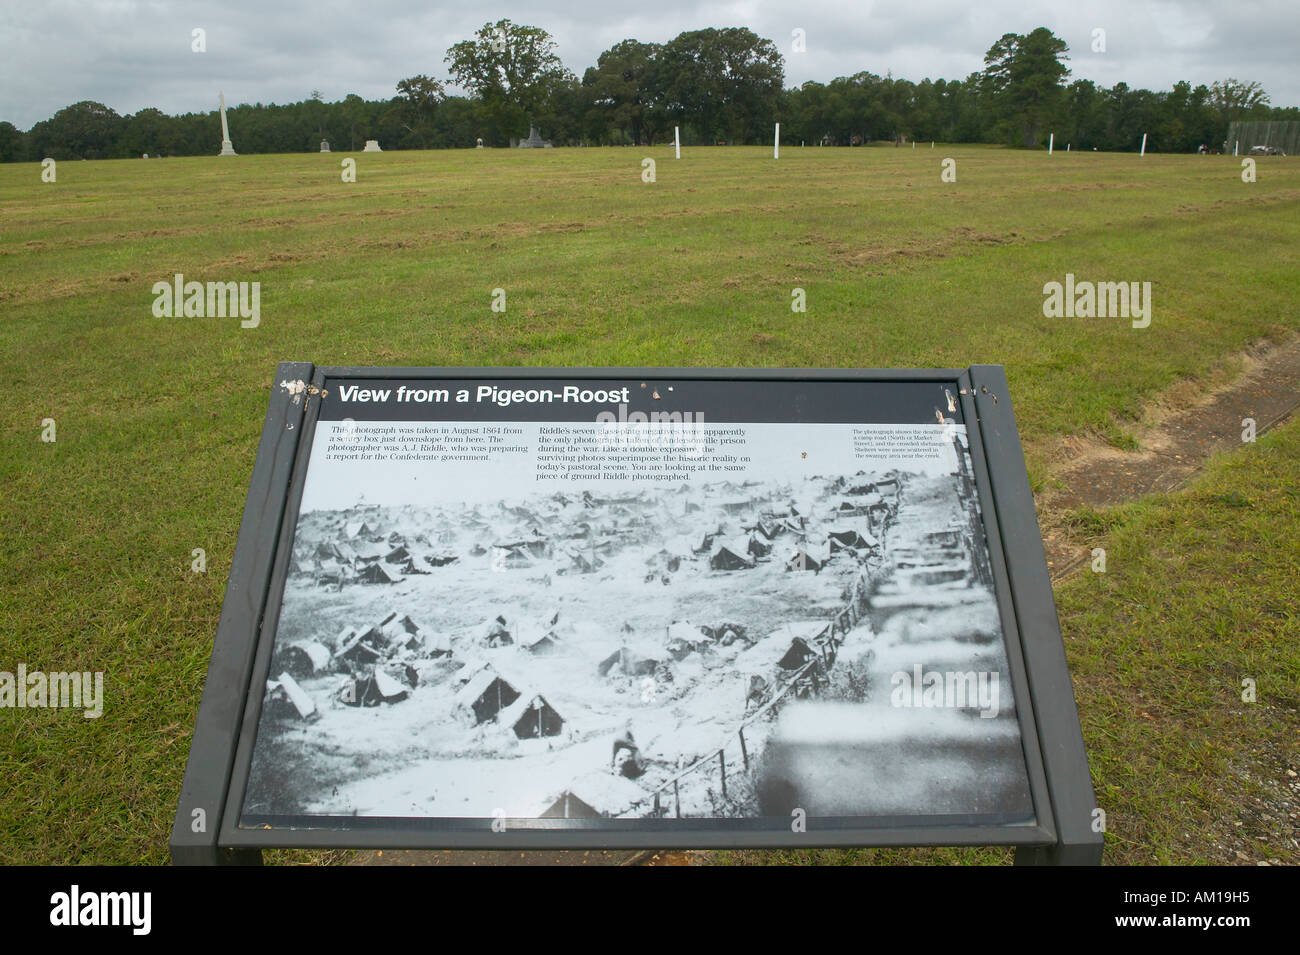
(776, 143)
(1235, 144)
(1051, 141)
(677, 142)
(932, 144)
(1067, 147)
(1144, 145)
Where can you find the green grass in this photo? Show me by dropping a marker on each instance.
(158, 419)
(1199, 593)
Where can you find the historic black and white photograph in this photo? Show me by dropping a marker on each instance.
(817, 633)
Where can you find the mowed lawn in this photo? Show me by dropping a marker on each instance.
(157, 419)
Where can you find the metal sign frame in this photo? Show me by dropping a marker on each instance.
(206, 829)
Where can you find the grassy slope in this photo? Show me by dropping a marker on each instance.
(158, 418)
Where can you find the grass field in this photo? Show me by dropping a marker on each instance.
(157, 419)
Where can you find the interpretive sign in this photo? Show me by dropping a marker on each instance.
(638, 607)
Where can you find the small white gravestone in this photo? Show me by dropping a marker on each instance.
(324, 145)
(372, 146)
(226, 148)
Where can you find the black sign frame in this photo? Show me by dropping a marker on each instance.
(206, 828)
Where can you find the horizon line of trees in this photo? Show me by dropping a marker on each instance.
(720, 86)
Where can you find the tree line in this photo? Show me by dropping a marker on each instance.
(719, 86)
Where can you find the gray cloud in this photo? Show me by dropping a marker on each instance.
(132, 54)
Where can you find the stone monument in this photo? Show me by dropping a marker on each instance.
(226, 148)
(372, 146)
(324, 145)
(534, 141)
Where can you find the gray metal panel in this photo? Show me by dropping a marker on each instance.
(518, 836)
(276, 573)
(1011, 628)
(1057, 722)
(798, 374)
(216, 731)
(1065, 760)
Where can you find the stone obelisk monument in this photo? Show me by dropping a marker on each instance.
(226, 148)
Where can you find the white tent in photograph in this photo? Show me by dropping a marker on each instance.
(402, 631)
(531, 717)
(731, 555)
(285, 698)
(485, 695)
(303, 659)
(379, 573)
(594, 796)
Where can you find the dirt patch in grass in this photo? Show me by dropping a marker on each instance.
(1179, 432)
(956, 241)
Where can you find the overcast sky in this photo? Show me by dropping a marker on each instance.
(131, 54)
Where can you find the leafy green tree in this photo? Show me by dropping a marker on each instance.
(1023, 77)
(12, 147)
(859, 109)
(568, 104)
(896, 100)
(958, 102)
(354, 118)
(1231, 100)
(454, 124)
(727, 83)
(1085, 109)
(924, 118)
(85, 130)
(755, 73)
(807, 112)
(417, 101)
(1204, 125)
(1179, 119)
(148, 131)
(1124, 119)
(1236, 100)
(717, 84)
(620, 88)
(318, 112)
(513, 69)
